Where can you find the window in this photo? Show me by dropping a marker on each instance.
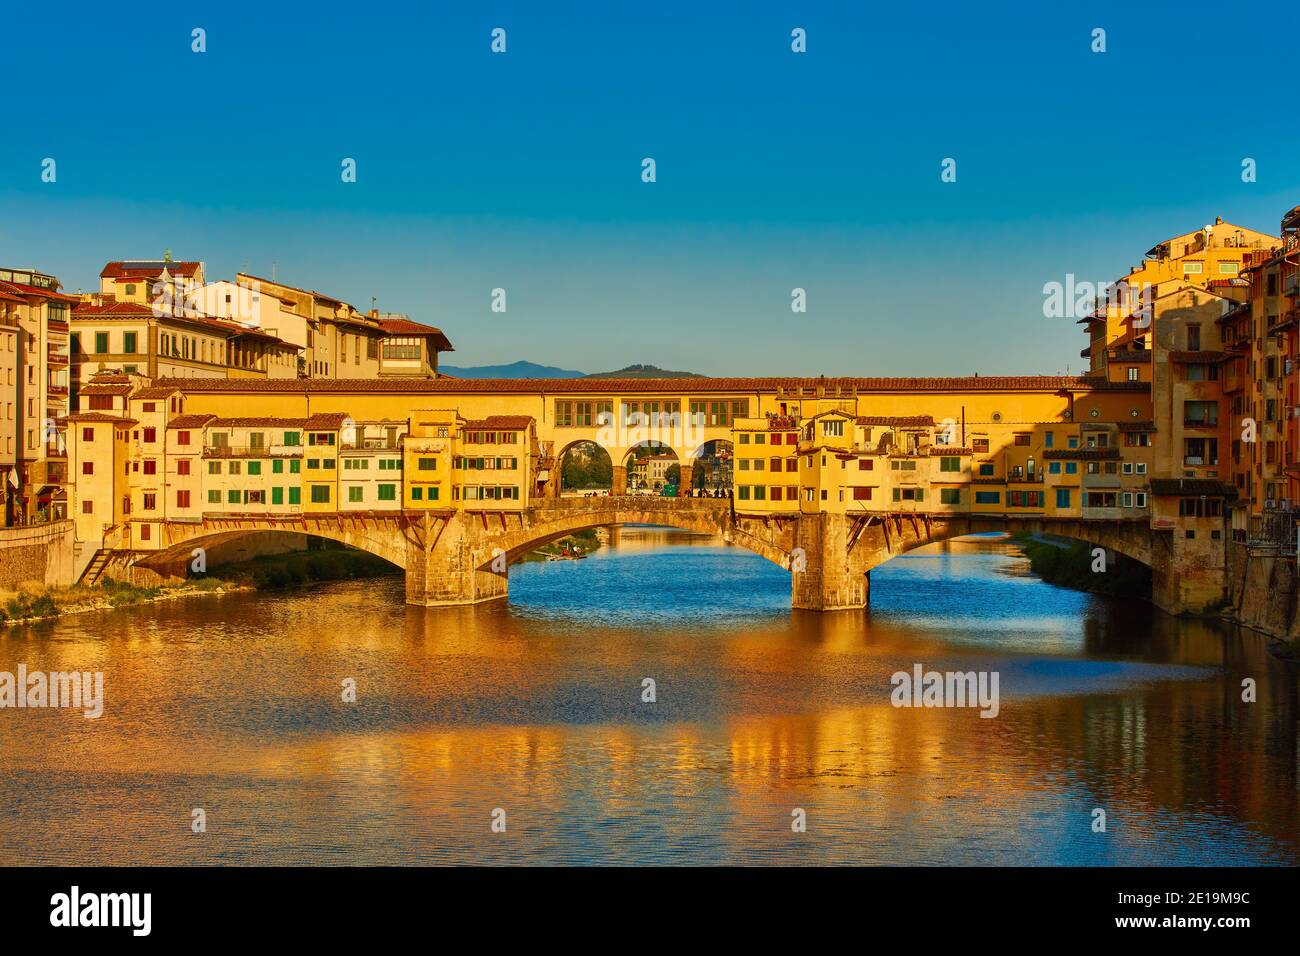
(433, 494)
(1022, 438)
(1053, 467)
(988, 497)
(292, 439)
(214, 468)
(145, 531)
(355, 493)
(949, 496)
(1049, 438)
(150, 466)
(1133, 373)
(949, 464)
(277, 466)
(979, 445)
(182, 499)
(833, 429)
(295, 496)
(87, 467)
(295, 465)
(1071, 467)
(864, 464)
(233, 497)
(1193, 338)
(388, 492)
(320, 494)
(277, 496)
(1062, 497)
(1193, 268)
(234, 468)
(417, 494)
(214, 497)
(128, 343)
(182, 437)
(87, 507)
(101, 342)
(254, 467)
(986, 470)
(744, 492)
(88, 434)
(428, 464)
(1126, 499)
(182, 466)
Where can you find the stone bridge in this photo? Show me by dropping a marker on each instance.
(463, 556)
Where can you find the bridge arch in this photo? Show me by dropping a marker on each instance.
(899, 534)
(705, 516)
(383, 538)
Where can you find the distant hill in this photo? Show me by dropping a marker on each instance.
(533, 370)
(644, 371)
(513, 370)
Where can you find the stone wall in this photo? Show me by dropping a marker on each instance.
(40, 555)
(1263, 591)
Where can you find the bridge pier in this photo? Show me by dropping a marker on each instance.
(448, 562)
(620, 480)
(833, 577)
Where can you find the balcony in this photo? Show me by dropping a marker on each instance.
(1199, 461)
(373, 444)
(252, 451)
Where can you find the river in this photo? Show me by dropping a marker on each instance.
(234, 705)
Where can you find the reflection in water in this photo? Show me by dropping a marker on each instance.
(233, 704)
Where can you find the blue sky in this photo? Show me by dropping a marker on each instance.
(775, 170)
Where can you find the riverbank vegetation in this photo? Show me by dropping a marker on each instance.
(36, 602)
(1068, 564)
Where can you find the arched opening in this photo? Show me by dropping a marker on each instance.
(585, 470)
(711, 470)
(267, 558)
(653, 468)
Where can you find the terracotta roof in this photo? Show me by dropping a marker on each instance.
(147, 269)
(1198, 358)
(643, 386)
(258, 422)
(22, 289)
(1192, 486)
(98, 417)
(327, 420)
(912, 421)
(949, 451)
(509, 422)
(190, 421)
(104, 388)
(1081, 454)
(156, 391)
(405, 327)
(111, 309)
